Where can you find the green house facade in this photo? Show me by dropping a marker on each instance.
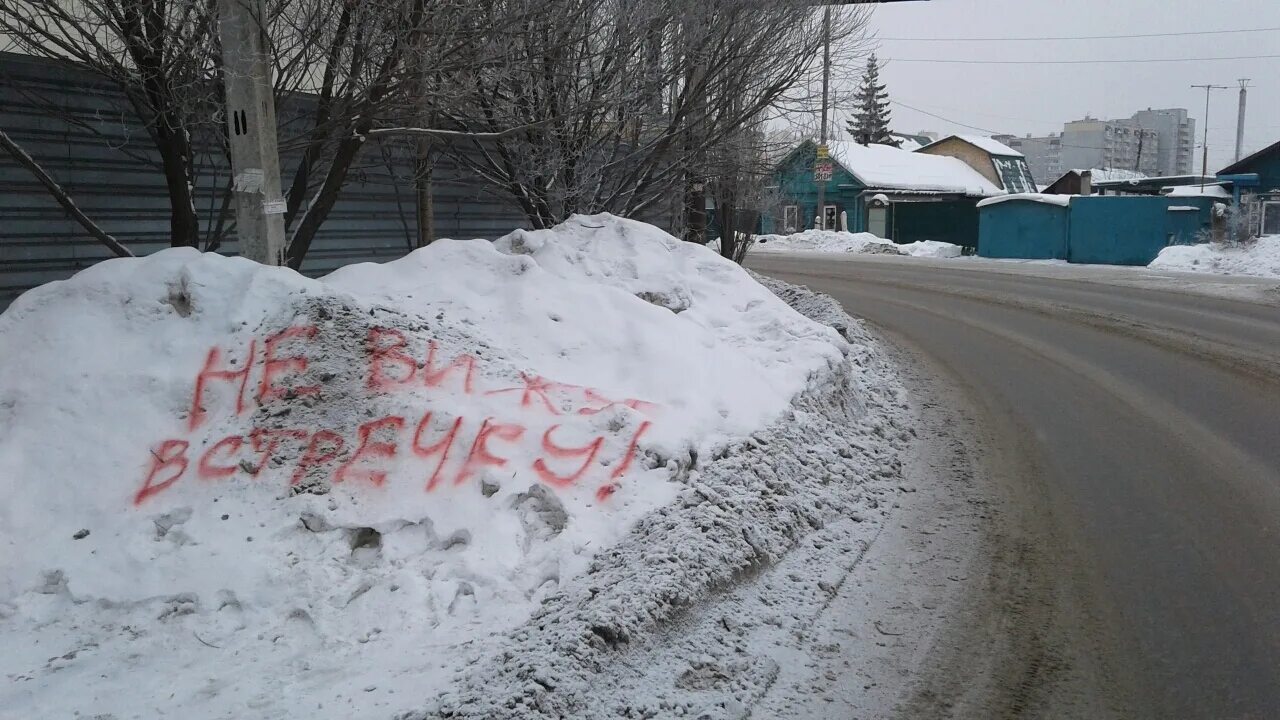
(895, 194)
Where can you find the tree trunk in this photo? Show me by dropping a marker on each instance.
(175, 157)
(426, 207)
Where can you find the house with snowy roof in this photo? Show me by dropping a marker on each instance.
(1005, 167)
(1255, 183)
(895, 194)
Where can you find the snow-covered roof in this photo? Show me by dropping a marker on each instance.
(1098, 175)
(990, 145)
(1213, 191)
(1059, 200)
(885, 167)
(908, 144)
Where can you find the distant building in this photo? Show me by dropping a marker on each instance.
(1153, 142)
(1177, 134)
(1043, 154)
(1119, 144)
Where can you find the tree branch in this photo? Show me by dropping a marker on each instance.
(61, 196)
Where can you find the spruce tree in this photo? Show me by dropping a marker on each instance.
(870, 123)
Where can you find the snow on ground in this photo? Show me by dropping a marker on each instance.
(931, 249)
(832, 241)
(1260, 258)
(233, 491)
(824, 241)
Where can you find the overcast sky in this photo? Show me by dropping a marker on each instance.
(1037, 98)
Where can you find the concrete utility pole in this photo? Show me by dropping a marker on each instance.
(1244, 95)
(1204, 163)
(251, 127)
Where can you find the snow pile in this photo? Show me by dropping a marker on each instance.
(827, 241)
(931, 249)
(233, 491)
(1260, 257)
(651, 630)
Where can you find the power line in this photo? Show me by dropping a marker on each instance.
(1078, 37)
(1077, 62)
(988, 130)
(939, 117)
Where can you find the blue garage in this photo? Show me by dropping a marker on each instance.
(1097, 229)
(1024, 226)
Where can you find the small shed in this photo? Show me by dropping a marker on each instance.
(1110, 230)
(1026, 225)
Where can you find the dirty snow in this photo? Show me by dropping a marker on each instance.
(827, 241)
(695, 612)
(385, 473)
(1259, 258)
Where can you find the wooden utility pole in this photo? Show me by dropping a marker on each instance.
(823, 155)
(251, 130)
(1204, 162)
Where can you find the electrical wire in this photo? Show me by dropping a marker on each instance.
(1076, 62)
(1079, 37)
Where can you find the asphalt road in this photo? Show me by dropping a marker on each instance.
(1147, 420)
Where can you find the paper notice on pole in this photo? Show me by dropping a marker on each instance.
(248, 180)
(275, 207)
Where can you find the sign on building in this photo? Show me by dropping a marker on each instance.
(822, 171)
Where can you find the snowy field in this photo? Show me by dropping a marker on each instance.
(447, 483)
(1260, 258)
(834, 241)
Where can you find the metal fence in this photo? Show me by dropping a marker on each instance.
(81, 130)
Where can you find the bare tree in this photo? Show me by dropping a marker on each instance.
(157, 52)
(627, 102)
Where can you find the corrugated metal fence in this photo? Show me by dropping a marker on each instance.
(81, 130)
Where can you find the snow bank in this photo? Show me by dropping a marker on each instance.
(931, 249)
(647, 631)
(233, 491)
(1260, 257)
(830, 241)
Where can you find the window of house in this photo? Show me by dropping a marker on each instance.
(790, 219)
(1270, 218)
(830, 217)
